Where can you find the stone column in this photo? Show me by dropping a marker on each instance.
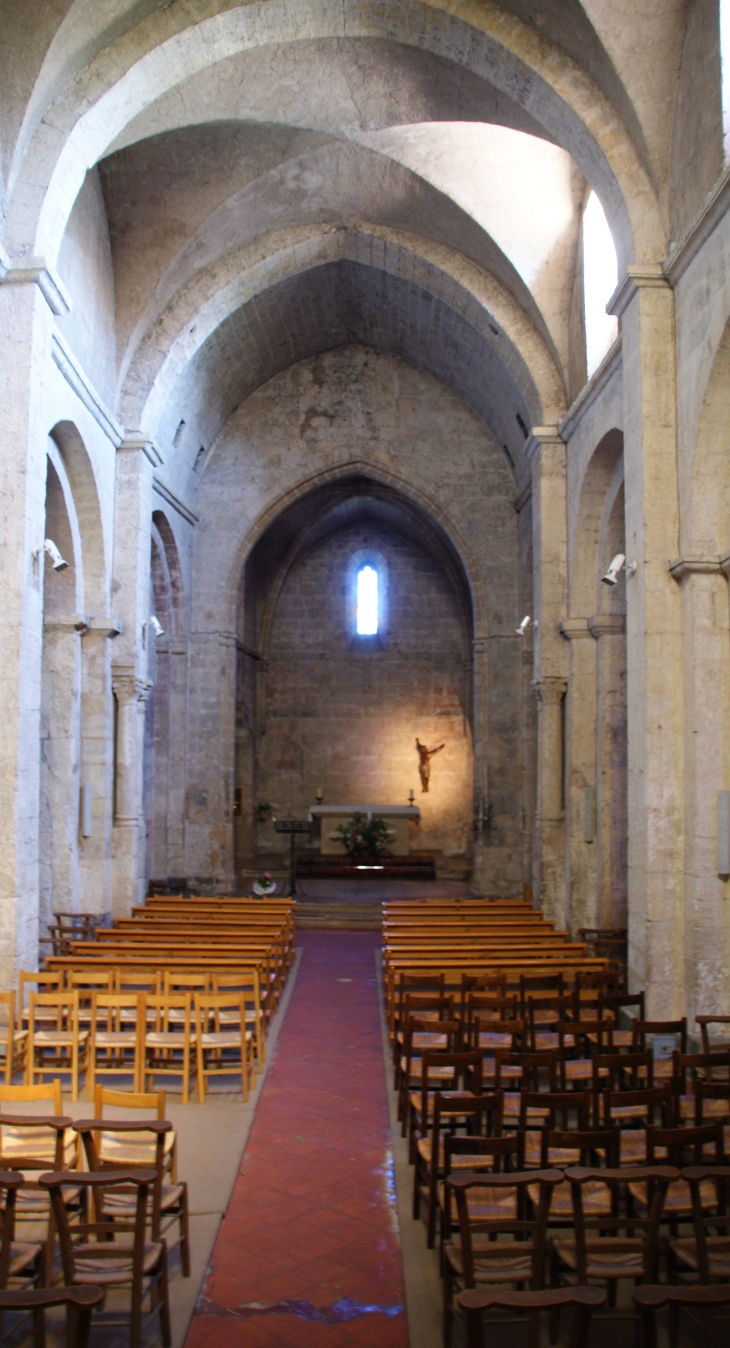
(29, 297)
(609, 629)
(580, 769)
(480, 703)
(136, 458)
(128, 852)
(97, 766)
(550, 553)
(706, 619)
(645, 304)
(60, 778)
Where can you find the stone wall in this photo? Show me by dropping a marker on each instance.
(343, 712)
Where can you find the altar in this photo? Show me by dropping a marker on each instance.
(398, 818)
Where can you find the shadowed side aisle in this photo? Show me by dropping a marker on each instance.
(308, 1252)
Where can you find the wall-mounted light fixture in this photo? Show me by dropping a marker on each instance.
(522, 629)
(617, 562)
(49, 547)
(156, 626)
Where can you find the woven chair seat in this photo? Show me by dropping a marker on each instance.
(224, 1039)
(116, 1039)
(37, 1145)
(711, 1109)
(494, 1039)
(415, 1099)
(581, 1069)
(459, 1161)
(494, 1262)
(166, 1039)
(58, 1038)
(718, 1255)
(678, 1202)
(606, 1258)
(596, 1197)
(126, 1149)
(512, 1106)
(118, 1204)
(621, 1038)
(116, 1268)
(21, 1255)
(550, 1039)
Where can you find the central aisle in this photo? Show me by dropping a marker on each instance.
(308, 1252)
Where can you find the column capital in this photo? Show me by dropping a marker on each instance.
(129, 687)
(698, 565)
(23, 271)
(549, 691)
(573, 629)
(543, 437)
(66, 622)
(138, 442)
(649, 276)
(103, 627)
(607, 625)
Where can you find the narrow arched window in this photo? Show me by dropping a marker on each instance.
(600, 277)
(367, 601)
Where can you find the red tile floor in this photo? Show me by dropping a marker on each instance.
(308, 1252)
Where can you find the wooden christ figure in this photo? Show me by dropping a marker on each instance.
(424, 764)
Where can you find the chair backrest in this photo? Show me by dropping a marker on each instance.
(172, 982)
(464, 1069)
(208, 1007)
(493, 1034)
(532, 1067)
(150, 1100)
(625, 1001)
(710, 1217)
(90, 978)
(79, 1302)
(450, 1030)
(138, 980)
(46, 982)
(704, 1023)
(109, 1007)
(554, 1105)
(498, 1154)
(537, 985)
(712, 1090)
(33, 1142)
(23, 1095)
(7, 1020)
(589, 1143)
(699, 1066)
(546, 1010)
(488, 1007)
(161, 1004)
(417, 1003)
(99, 1185)
(473, 1186)
(493, 984)
(642, 1028)
(10, 1182)
(622, 1217)
(142, 1143)
(484, 1112)
(687, 1146)
(645, 1104)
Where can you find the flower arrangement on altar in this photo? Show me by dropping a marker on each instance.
(364, 837)
(264, 883)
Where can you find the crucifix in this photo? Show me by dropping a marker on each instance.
(424, 765)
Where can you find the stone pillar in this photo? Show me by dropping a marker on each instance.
(644, 302)
(580, 769)
(97, 765)
(129, 850)
(609, 629)
(28, 299)
(60, 780)
(706, 620)
(550, 589)
(136, 459)
(480, 703)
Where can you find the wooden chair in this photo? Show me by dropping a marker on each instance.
(55, 1041)
(649, 1300)
(537, 986)
(548, 1109)
(170, 1043)
(121, 1149)
(633, 1112)
(712, 1045)
(682, 1147)
(79, 1303)
(527, 1071)
(444, 1072)
(688, 1070)
(421, 1034)
(644, 1029)
(87, 981)
(612, 1005)
(544, 1014)
(24, 1260)
(706, 1254)
(224, 1048)
(423, 1006)
(116, 1036)
(29, 1144)
(496, 1155)
(605, 1247)
(145, 1140)
(579, 1041)
(38, 981)
(91, 1252)
(13, 1041)
(494, 1246)
(619, 1072)
(596, 1147)
(583, 1300)
(482, 1115)
(248, 982)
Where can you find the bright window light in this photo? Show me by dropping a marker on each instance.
(725, 67)
(600, 277)
(367, 601)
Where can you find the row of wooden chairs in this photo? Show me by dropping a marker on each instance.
(140, 1036)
